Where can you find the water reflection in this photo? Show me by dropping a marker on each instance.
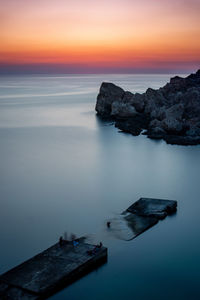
(64, 169)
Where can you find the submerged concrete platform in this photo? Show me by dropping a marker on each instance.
(146, 212)
(50, 271)
(140, 216)
(150, 207)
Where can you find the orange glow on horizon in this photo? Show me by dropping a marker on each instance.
(118, 33)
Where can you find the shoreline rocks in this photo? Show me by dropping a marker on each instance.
(171, 113)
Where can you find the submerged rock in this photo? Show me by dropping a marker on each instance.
(171, 113)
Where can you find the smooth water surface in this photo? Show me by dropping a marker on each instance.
(63, 169)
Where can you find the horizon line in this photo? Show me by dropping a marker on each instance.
(41, 68)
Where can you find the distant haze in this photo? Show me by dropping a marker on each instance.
(87, 36)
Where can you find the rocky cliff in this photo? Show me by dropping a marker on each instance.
(171, 113)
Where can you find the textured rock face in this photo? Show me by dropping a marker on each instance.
(108, 94)
(171, 113)
(121, 109)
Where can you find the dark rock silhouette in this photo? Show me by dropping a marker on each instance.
(171, 113)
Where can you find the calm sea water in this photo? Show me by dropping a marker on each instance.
(62, 169)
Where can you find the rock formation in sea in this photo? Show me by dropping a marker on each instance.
(171, 112)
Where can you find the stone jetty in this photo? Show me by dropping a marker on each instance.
(50, 271)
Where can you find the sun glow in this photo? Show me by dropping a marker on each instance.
(146, 34)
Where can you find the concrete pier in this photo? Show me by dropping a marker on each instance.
(50, 271)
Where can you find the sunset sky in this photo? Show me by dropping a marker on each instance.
(97, 36)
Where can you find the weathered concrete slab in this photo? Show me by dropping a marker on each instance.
(139, 224)
(158, 208)
(146, 212)
(3, 287)
(140, 216)
(13, 293)
(50, 270)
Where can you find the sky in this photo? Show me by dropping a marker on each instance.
(99, 36)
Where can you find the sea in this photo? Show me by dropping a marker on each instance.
(64, 170)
